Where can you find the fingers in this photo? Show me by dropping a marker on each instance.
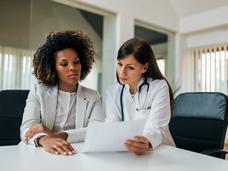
(71, 148)
(31, 132)
(141, 139)
(35, 130)
(57, 146)
(138, 145)
(51, 150)
(134, 149)
(59, 150)
(64, 148)
(29, 135)
(135, 144)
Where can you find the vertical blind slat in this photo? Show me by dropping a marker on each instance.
(211, 69)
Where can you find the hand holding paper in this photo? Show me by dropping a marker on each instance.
(103, 137)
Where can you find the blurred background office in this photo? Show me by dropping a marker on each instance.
(189, 38)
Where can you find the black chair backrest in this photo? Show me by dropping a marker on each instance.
(12, 103)
(200, 121)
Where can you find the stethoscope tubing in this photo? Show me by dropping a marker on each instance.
(121, 96)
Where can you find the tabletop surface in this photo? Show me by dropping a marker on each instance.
(164, 158)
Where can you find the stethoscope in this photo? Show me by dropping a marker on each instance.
(121, 96)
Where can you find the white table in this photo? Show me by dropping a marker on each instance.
(164, 158)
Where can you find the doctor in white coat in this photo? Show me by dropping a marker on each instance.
(141, 92)
(58, 109)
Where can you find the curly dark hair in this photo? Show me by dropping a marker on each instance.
(45, 57)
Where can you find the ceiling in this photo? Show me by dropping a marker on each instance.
(185, 8)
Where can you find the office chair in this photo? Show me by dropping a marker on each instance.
(200, 121)
(12, 103)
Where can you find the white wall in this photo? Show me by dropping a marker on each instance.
(205, 20)
(218, 35)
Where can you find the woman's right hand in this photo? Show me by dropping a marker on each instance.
(56, 145)
(39, 128)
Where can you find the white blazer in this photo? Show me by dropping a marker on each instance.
(154, 106)
(41, 106)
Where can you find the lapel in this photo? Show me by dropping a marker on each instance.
(81, 106)
(51, 106)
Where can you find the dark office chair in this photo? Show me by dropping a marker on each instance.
(200, 121)
(12, 103)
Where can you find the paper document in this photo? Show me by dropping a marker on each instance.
(111, 136)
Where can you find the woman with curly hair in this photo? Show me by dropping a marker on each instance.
(58, 109)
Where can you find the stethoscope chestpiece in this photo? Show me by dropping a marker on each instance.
(121, 98)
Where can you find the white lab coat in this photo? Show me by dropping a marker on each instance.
(154, 106)
(41, 106)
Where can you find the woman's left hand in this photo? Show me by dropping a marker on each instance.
(139, 145)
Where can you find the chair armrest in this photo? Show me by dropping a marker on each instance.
(220, 153)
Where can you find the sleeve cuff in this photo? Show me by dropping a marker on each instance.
(33, 140)
(76, 135)
(155, 139)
